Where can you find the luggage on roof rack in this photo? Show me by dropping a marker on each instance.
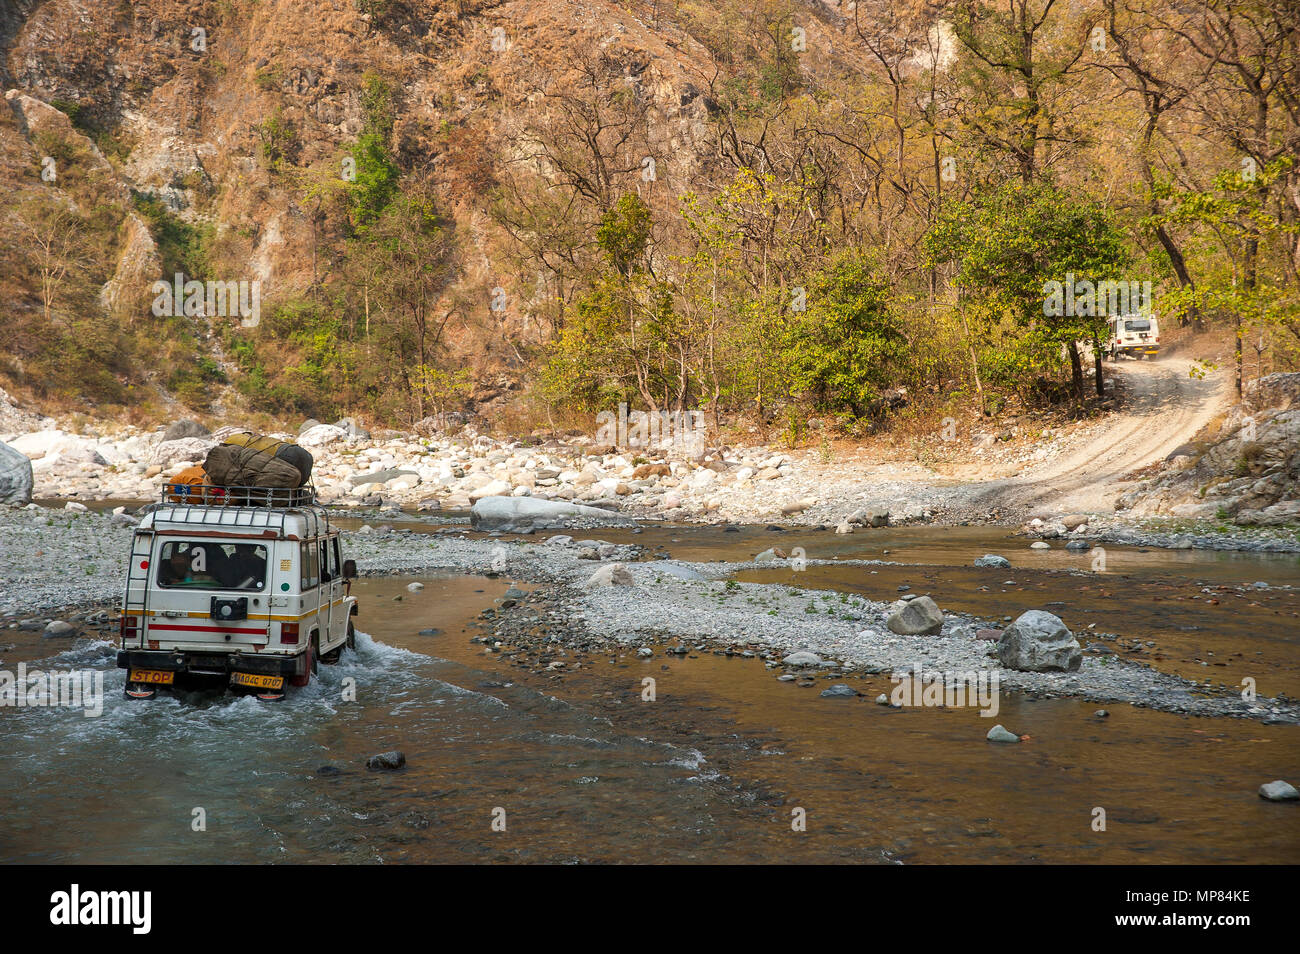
(248, 460)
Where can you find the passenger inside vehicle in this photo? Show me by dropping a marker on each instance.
(246, 568)
(184, 565)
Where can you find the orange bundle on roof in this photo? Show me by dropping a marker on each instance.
(188, 485)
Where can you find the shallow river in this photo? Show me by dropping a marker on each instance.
(577, 767)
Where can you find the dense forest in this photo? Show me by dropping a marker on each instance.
(853, 211)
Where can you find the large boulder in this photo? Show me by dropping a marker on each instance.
(36, 444)
(525, 514)
(350, 427)
(15, 476)
(178, 430)
(321, 434)
(918, 617)
(1039, 642)
(185, 450)
(360, 481)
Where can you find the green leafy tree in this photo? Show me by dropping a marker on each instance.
(1008, 245)
(847, 346)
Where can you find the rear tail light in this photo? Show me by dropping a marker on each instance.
(288, 632)
(127, 627)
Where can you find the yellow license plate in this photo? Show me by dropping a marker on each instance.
(256, 682)
(157, 676)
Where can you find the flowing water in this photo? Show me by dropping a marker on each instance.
(579, 768)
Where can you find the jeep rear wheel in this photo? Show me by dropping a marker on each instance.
(305, 678)
(352, 637)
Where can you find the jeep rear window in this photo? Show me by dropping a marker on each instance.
(1137, 324)
(209, 565)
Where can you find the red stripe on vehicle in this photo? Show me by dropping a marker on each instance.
(209, 629)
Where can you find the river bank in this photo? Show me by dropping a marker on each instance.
(1129, 477)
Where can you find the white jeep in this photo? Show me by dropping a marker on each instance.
(1137, 335)
(241, 585)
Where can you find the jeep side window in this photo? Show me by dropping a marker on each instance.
(309, 565)
(330, 556)
(326, 571)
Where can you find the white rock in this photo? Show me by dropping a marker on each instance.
(611, 574)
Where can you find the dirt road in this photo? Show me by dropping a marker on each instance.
(1166, 406)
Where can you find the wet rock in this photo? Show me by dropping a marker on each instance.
(786, 677)
(802, 658)
(1077, 546)
(1279, 791)
(882, 699)
(57, 627)
(1000, 734)
(645, 652)
(328, 771)
(414, 587)
(430, 632)
(1039, 642)
(1040, 545)
(770, 554)
(1102, 714)
(386, 761)
(917, 617)
(839, 691)
(992, 559)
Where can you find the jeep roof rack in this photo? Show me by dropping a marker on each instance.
(254, 508)
(212, 495)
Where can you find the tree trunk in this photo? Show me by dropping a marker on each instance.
(1076, 369)
(1096, 362)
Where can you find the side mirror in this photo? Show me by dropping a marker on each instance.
(349, 569)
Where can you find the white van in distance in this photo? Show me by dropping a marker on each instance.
(241, 585)
(1137, 335)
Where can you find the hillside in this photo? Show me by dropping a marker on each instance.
(530, 211)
